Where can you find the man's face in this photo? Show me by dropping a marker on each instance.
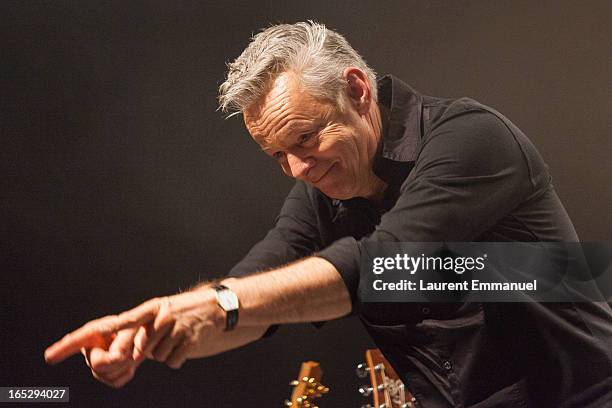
(312, 140)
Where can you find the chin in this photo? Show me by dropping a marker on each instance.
(337, 193)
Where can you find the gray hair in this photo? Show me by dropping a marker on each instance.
(316, 54)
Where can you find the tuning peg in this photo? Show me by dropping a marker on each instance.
(288, 403)
(365, 390)
(362, 370)
(366, 406)
(409, 404)
(294, 383)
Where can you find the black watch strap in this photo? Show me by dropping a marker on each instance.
(231, 319)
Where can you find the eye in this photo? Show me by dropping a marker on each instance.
(306, 137)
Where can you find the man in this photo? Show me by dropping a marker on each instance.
(376, 163)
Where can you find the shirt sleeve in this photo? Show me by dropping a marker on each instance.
(470, 172)
(294, 236)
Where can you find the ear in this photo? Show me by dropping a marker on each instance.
(358, 89)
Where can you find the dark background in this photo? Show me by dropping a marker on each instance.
(121, 182)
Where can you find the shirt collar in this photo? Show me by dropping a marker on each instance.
(402, 108)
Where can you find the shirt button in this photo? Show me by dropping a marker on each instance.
(425, 310)
(447, 365)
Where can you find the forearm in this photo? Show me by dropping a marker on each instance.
(238, 337)
(307, 290)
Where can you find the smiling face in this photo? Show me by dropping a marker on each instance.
(313, 141)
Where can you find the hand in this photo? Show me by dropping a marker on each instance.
(175, 328)
(113, 364)
(186, 326)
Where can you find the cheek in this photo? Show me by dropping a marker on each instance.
(338, 144)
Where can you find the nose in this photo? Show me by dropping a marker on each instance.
(300, 166)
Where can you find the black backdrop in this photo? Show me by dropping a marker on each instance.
(121, 182)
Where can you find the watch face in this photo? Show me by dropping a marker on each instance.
(227, 300)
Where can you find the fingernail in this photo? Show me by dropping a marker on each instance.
(49, 358)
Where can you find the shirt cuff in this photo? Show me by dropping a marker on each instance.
(345, 255)
(271, 330)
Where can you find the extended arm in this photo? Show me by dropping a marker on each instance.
(190, 324)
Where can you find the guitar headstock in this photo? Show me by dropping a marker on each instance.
(308, 386)
(386, 388)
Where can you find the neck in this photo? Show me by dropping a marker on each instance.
(376, 186)
(377, 190)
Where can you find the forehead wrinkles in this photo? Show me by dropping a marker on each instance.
(280, 112)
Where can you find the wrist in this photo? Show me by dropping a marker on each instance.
(218, 315)
(227, 305)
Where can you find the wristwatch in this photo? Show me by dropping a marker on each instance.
(228, 301)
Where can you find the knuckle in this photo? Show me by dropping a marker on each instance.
(106, 378)
(118, 359)
(184, 327)
(159, 356)
(120, 382)
(123, 353)
(98, 377)
(190, 341)
(141, 340)
(156, 302)
(96, 365)
(143, 334)
(175, 365)
(139, 348)
(165, 318)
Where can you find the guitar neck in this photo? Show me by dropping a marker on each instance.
(386, 388)
(308, 386)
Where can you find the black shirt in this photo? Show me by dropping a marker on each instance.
(456, 170)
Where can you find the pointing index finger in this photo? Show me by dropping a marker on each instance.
(92, 334)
